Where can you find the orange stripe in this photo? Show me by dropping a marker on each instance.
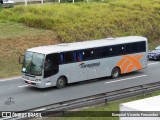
(140, 56)
(124, 67)
(134, 59)
(137, 64)
(135, 56)
(121, 62)
(130, 69)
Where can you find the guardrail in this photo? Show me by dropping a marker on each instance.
(65, 106)
(26, 2)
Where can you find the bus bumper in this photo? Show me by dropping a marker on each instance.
(37, 84)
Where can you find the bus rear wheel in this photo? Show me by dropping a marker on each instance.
(115, 72)
(61, 82)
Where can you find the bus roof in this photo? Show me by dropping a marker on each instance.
(85, 44)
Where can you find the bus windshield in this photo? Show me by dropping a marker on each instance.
(33, 63)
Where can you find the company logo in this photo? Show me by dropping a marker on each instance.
(82, 65)
(128, 63)
(21, 115)
(6, 114)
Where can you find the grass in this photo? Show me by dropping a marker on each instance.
(82, 21)
(23, 27)
(111, 106)
(15, 38)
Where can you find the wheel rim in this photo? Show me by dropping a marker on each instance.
(61, 82)
(115, 74)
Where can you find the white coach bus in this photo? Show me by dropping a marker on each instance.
(58, 65)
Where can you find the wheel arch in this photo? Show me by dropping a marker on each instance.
(118, 68)
(63, 76)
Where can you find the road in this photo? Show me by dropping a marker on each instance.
(25, 97)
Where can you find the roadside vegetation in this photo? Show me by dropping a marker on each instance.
(15, 38)
(22, 27)
(82, 21)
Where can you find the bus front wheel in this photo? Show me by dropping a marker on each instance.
(115, 72)
(61, 82)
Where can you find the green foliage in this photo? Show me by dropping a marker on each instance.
(82, 21)
(69, 22)
(15, 38)
(0, 7)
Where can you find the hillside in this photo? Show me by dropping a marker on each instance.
(22, 27)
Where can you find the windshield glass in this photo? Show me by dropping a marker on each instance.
(33, 63)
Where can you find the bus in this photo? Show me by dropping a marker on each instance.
(61, 64)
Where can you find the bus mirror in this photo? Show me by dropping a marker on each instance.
(21, 58)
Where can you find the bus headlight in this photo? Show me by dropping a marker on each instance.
(48, 83)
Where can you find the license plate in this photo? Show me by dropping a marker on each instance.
(29, 82)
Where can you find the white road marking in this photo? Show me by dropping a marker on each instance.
(42, 109)
(153, 63)
(126, 79)
(23, 86)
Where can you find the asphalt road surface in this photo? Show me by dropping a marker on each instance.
(24, 97)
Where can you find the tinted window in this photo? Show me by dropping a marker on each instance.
(68, 57)
(101, 52)
(51, 65)
(142, 46)
(135, 47)
(129, 48)
(113, 50)
(121, 49)
(88, 54)
(79, 56)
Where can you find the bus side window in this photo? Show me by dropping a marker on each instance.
(79, 56)
(135, 47)
(105, 51)
(121, 50)
(88, 54)
(113, 50)
(68, 57)
(98, 53)
(51, 65)
(74, 56)
(142, 46)
(101, 52)
(129, 48)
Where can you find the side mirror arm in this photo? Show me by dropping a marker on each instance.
(20, 59)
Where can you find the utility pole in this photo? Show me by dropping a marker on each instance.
(41, 1)
(26, 2)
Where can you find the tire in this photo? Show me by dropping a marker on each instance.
(61, 82)
(115, 72)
